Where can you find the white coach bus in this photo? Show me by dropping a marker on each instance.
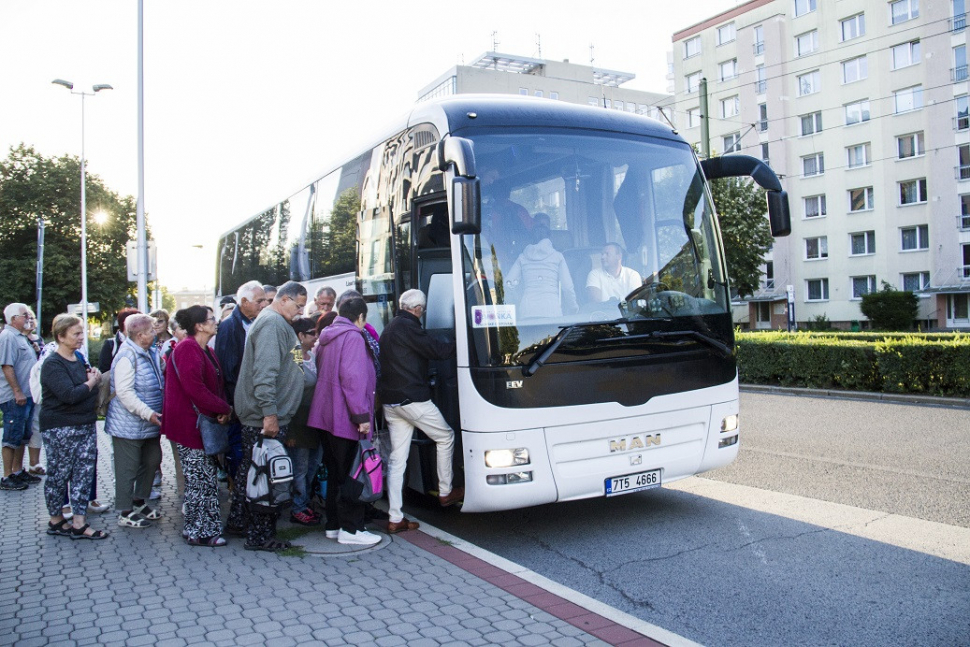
(553, 396)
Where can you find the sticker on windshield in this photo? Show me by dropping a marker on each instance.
(493, 316)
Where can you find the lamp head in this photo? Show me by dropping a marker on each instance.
(66, 84)
(102, 86)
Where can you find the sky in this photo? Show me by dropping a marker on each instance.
(245, 102)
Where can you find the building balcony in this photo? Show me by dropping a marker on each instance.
(759, 48)
(958, 22)
(961, 123)
(958, 73)
(760, 87)
(963, 222)
(963, 172)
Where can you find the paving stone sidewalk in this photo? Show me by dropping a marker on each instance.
(145, 587)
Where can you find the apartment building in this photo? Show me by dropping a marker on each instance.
(861, 106)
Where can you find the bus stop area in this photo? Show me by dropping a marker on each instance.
(148, 587)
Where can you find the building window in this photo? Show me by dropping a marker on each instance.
(906, 54)
(813, 165)
(808, 83)
(693, 117)
(760, 80)
(861, 199)
(803, 7)
(725, 33)
(862, 243)
(863, 285)
(811, 123)
(553, 95)
(607, 103)
(817, 290)
(959, 20)
(728, 69)
(966, 266)
(730, 107)
(853, 27)
(693, 81)
(617, 104)
(539, 93)
(692, 47)
(764, 153)
(593, 101)
(855, 69)
(916, 281)
(903, 10)
(762, 117)
(959, 72)
(816, 248)
(912, 191)
(806, 43)
(858, 155)
(963, 155)
(770, 275)
(815, 206)
(914, 238)
(524, 91)
(908, 99)
(964, 222)
(856, 113)
(962, 121)
(732, 143)
(910, 145)
(759, 40)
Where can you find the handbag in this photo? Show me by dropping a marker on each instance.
(365, 483)
(215, 437)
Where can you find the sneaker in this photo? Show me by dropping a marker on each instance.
(26, 477)
(304, 518)
(361, 537)
(333, 534)
(97, 506)
(155, 495)
(10, 483)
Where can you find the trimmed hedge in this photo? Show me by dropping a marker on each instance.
(929, 364)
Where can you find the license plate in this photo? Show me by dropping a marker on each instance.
(632, 482)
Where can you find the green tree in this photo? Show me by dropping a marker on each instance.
(890, 309)
(33, 186)
(741, 211)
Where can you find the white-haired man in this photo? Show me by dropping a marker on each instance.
(17, 357)
(405, 350)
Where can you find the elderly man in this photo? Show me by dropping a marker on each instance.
(323, 302)
(134, 421)
(17, 357)
(270, 292)
(612, 281)
(268, 393)
(405, 350)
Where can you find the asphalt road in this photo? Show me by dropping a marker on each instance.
(722, 573)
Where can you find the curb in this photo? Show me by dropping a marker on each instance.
(869, 396)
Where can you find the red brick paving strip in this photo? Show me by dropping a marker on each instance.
(592, 623)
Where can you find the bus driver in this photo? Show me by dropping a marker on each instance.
(613, 280)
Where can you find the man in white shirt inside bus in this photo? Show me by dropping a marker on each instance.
(612, 281)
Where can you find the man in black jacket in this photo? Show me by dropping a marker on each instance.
(405, 350)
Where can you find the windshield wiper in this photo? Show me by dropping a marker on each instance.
(720, 346)
(557, 341)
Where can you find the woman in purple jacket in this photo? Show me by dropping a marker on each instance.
(343, 406)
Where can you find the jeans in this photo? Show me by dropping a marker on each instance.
(16, 423)
(301, 465)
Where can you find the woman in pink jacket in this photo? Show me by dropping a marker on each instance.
(343, 406)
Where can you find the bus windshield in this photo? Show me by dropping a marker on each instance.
(586, 231)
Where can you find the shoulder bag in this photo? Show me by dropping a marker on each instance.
(215, 437)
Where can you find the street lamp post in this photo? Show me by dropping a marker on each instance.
(84, 227)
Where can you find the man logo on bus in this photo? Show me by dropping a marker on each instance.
(636, 442)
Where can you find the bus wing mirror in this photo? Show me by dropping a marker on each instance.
(466, 206)
(779, 214)
(458, 151)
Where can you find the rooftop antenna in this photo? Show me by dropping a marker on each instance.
(591, 57)
(539, 44)
(495, 41)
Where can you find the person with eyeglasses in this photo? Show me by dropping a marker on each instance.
(17, 357)
(35, 444)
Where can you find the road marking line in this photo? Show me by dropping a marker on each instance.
(615, 615)
(930, 537)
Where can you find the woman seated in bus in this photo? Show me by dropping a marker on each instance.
(540, 277)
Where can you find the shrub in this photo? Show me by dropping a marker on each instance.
(890, 309)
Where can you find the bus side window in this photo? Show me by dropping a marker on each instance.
(441, 304)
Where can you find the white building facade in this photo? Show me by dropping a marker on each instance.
(861, 106)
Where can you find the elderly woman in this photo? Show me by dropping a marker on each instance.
(193, 386)
(343, 406)
(161, 325)
(133, 421)
(68, 421)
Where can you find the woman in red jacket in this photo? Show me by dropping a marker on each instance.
(193, 385)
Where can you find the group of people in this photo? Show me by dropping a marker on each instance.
(311, 381)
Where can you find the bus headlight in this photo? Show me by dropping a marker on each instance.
(730, 423)
(506, 457)
(505, 479)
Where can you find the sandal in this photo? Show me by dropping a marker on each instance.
(37, 470)
(78, 533)
(62, 529)
(271, 546)
(235, 531)
(148, 513)
(133, 520)
(215, 541)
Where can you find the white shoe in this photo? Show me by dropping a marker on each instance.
(97, 506)
(155, 495)
(361, 537)
(333, 534)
